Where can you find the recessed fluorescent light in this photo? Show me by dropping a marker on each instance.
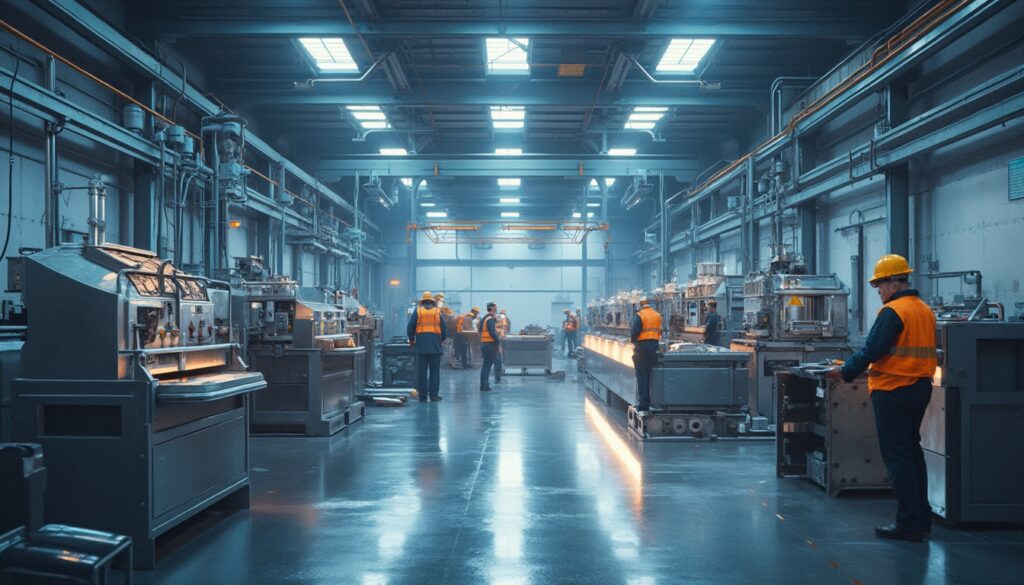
(608, 182)
(510, 182)
(593, 205)
(590, 214)
(507, 56)
(407, 181)
(508, 117)
(437, 214)
(684, 55)
(394, 151)
(509, 214)
(621, 151)
(508, 151)
(645, 117)
(374, 125)
(577, 215)
(509, 199)
(330, 54)
(428, 204)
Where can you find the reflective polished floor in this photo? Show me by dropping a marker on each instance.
(535, 483)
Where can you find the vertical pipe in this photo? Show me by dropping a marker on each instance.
(607, 249)
(283, 174)
(663, 269)
(51, 225)
(752, 235)
(414, 235)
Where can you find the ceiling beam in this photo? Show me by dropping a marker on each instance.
(524, 92)
(332, 169)
(172, 26)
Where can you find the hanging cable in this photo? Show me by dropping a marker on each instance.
(10, 153)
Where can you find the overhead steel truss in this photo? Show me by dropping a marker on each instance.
(507, 232)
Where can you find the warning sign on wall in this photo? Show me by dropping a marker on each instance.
(795, 302)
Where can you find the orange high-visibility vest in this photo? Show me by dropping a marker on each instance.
(651, 324)
(570, 323)
(428, 320)
(485, 334)
(458, 322)
(913, 356)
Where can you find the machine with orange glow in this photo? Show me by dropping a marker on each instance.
(790, 318)
(697, 391)
(134, 387)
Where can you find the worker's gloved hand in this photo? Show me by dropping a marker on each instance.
(834, 373)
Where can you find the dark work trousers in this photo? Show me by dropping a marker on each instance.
(428, 362)
(898, 415)
(461, 350)
(643, 362)
(490, 354)
(570, 341)
(499, 361)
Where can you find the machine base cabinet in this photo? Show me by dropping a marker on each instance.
(116, 465)
(826, 433)
(524, 352)
(971, 430)
(310, 391)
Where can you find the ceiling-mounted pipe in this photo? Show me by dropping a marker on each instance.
(698, 82)
(310, 83)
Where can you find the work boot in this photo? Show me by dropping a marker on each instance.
(896, 533)
(485, 388)
(436, 398)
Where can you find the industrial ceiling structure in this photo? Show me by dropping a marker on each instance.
(583, 90)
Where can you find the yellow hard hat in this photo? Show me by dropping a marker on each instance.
(475, 310)
(889, 266)
(439, 296)
(426, 296)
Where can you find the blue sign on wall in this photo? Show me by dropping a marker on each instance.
(1016, 171)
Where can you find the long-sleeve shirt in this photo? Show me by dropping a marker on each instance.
(881, 338)
(634, 332)
(427, 343)
(491, 326)
(711, 328)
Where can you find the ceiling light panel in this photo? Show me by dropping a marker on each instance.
(621, 151)
(510, 183)
(508, 200)
(508, 151)
(394, 151)
(437, 214)
(684, 55)
(645, 118)
(508, 117)
(509, 214)
(330, 55)
(369, 117)
(507, 56)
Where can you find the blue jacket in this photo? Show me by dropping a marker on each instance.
(426, 343)
(711, 332)
(883, 334)
(491, 327)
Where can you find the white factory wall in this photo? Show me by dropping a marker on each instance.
(534, 285)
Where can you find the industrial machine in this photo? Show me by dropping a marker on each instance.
(398, 364)
(826, 431)
(789, 318)
(132, 385)
(711, 284)
(12, 338)
(697, 391)
(297, 337)
(526, 351)
(365, 327)
(970, 431)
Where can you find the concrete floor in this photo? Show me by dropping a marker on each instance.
(529, 485)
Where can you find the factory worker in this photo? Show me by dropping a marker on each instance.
(901, 357)
(427, 332)
(645, 334)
